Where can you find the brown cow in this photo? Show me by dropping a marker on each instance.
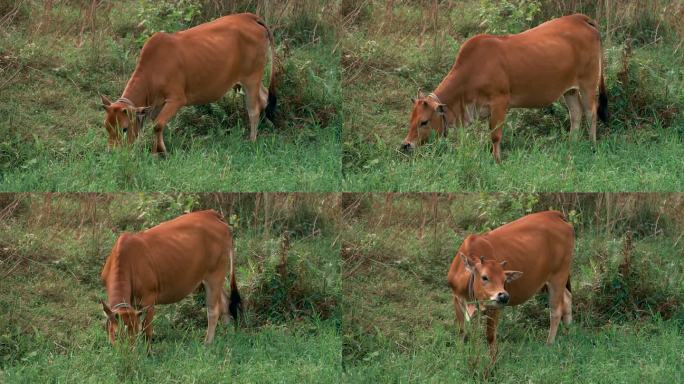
(532, 69)
(195, 66)
(164, 264)
(538, 250)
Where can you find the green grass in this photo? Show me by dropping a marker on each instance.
(398, 323)
(616, 354)
(306, 352)
(52, 136)
(641, 150)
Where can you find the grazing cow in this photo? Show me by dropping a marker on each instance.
(195, 66)
(538, 250)
(532, 69)
(164, 264)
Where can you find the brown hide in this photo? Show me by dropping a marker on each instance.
(164, 264)
(539, 245)
(195, 66)
(561, 57)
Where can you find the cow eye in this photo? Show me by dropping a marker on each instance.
(423, 123)
(485, 278)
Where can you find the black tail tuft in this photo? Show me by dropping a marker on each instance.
(603, 107)
(235, 304)
(567, 285)
(271, 106)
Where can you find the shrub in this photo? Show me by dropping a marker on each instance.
(509, 16)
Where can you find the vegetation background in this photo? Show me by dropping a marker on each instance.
(53, 247)
(57, 57)
(627, 280)
(392, 48)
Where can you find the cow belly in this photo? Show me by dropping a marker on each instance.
(535, 99)
(175, 295)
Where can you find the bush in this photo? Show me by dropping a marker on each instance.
(509, 16)
(289, 286)
(635, 289)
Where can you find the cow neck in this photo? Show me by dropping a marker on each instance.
(119, 284)
(451, 95)
(471, 281)
(136, 92)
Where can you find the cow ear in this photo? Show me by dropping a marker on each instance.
(107, 311)
(421, 95)
(470, 266)
(105, 102)
(440, 109)
(512, 275)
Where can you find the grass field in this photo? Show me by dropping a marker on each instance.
(390, 52)
(52, 326)
(56, 60)
(398, 323)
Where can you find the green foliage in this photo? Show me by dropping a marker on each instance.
(166, 16)
(294, 286)
(508, 16)
(160, 207)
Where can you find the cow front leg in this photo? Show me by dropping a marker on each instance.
(496, 122)
(166, 113)
(492, 323)
(460, 320)
(147, 324)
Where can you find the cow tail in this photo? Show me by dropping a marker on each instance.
(568, 286)
(272, 99)
(235, 302)
(603, 95)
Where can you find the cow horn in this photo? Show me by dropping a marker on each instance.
(481, 259)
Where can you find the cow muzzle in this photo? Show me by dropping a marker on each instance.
(502, 298)
(406, 147)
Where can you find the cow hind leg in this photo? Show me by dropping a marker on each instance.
(588, 99)
(213, 291)
(557, 304)
(567, 307)
(572, 100)
(255, 97)
(224, 306)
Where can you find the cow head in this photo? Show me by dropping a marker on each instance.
(122, 121)
(123, 319)
(489, 279)
(428, 114)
